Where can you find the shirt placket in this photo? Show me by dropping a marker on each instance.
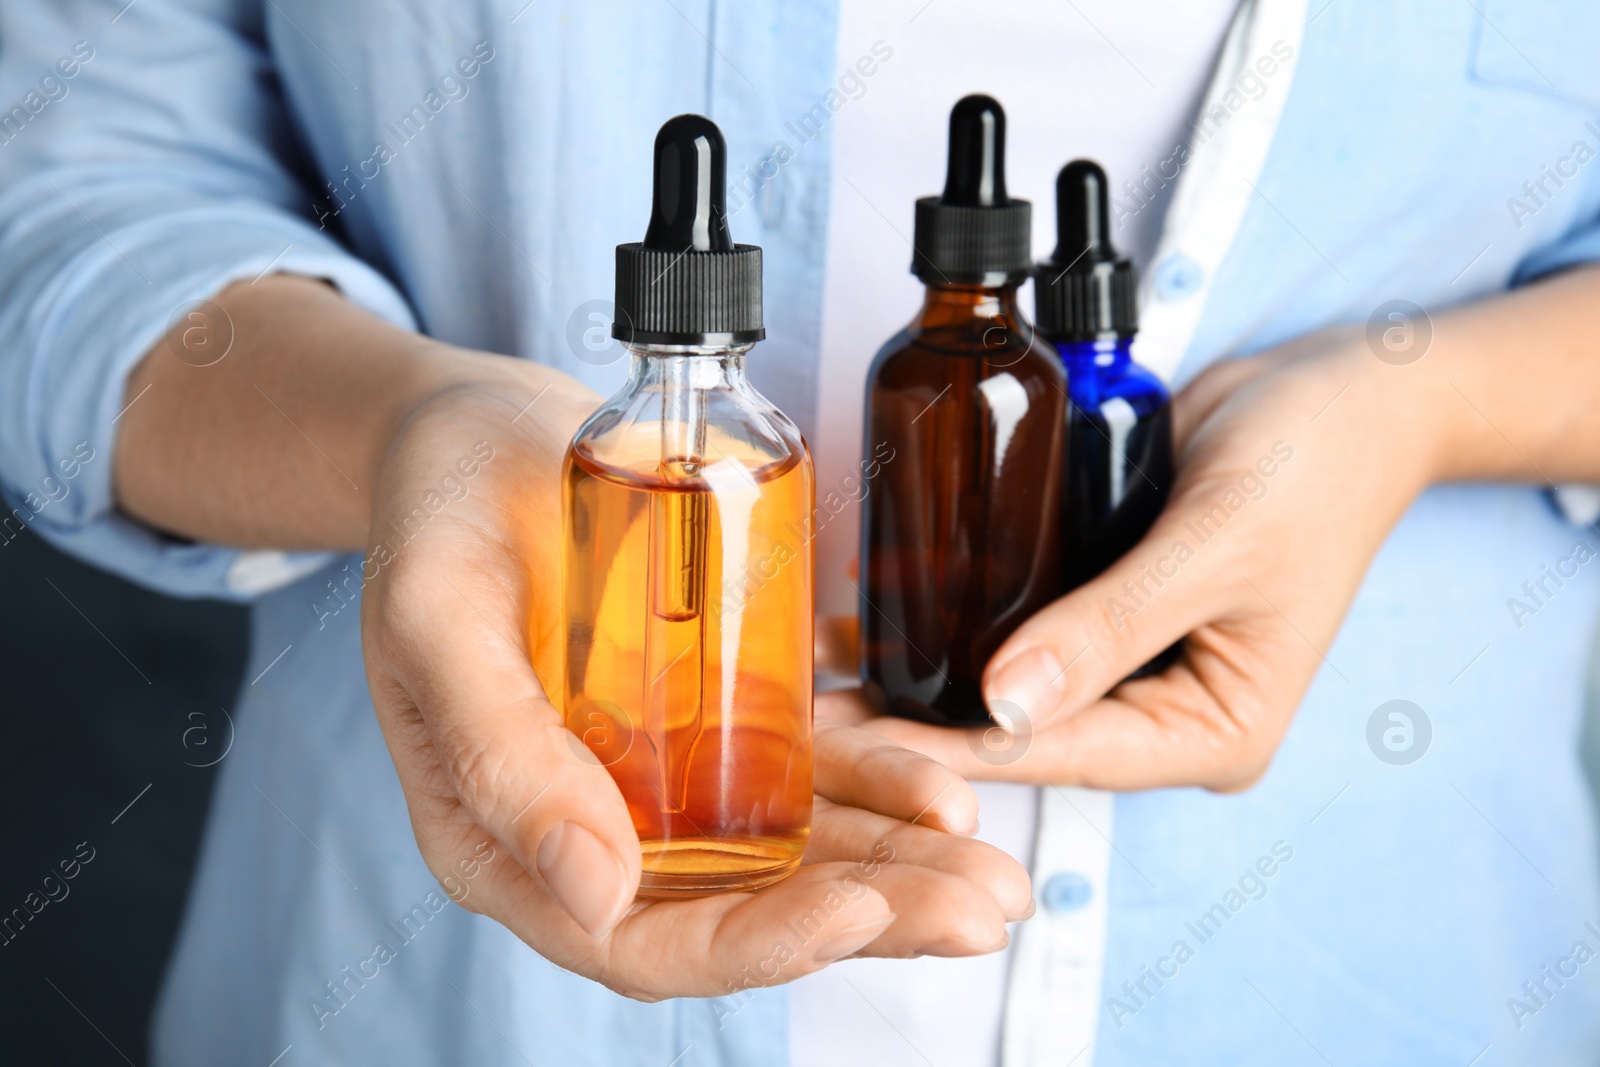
(1054, 994)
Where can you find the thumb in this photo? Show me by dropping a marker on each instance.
(1077, 649)
(499, 745)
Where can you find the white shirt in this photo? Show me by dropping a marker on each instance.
(1116, 83)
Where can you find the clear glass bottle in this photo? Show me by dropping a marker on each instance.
(687, 575)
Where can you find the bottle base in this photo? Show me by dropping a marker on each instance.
(696, 868)
(955, 704)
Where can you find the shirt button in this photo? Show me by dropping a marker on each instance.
(1178, 277)
(1066, 891)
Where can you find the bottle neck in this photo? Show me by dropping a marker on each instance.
(688, 366)
(685, 377)
(1100, 356)
(962, 304)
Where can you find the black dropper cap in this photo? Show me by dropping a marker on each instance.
(974, 231)
(687, 283)
(1084, 291)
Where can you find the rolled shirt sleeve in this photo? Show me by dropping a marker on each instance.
(146, 163)
(1579, 503)
(1580, 247)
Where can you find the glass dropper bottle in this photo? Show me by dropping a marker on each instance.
(965, 416)
(1119, 465)
(687, 593)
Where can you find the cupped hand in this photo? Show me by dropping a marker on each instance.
(1292, 468)
(460, 621)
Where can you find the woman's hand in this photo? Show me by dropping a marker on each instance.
(455, 621)
(1292, 468)
(321, 427)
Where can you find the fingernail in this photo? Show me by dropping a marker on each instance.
(958, 946)
(584, 876)
(1033, 906)
(854, 939)
(1032, 684)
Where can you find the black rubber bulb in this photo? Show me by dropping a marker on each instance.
(1083, 215)
(689, 208)
(976, 176)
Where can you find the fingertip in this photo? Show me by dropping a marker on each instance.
(960, 946)
(583, 874)
(1027, 690)
(1008, 901)
(954, 809)
(836, 945)
(1001, 716)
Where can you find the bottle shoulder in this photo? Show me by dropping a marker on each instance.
(913, 358)
(735, 469)
(741, 429)
(1090, 386)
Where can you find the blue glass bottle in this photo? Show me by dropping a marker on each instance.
(1119, 465)
(1120, 455)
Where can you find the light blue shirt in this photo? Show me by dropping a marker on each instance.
(484, 158)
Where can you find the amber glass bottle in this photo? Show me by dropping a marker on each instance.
(687, 582)
(965, 422)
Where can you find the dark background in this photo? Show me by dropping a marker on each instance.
(98, 683)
